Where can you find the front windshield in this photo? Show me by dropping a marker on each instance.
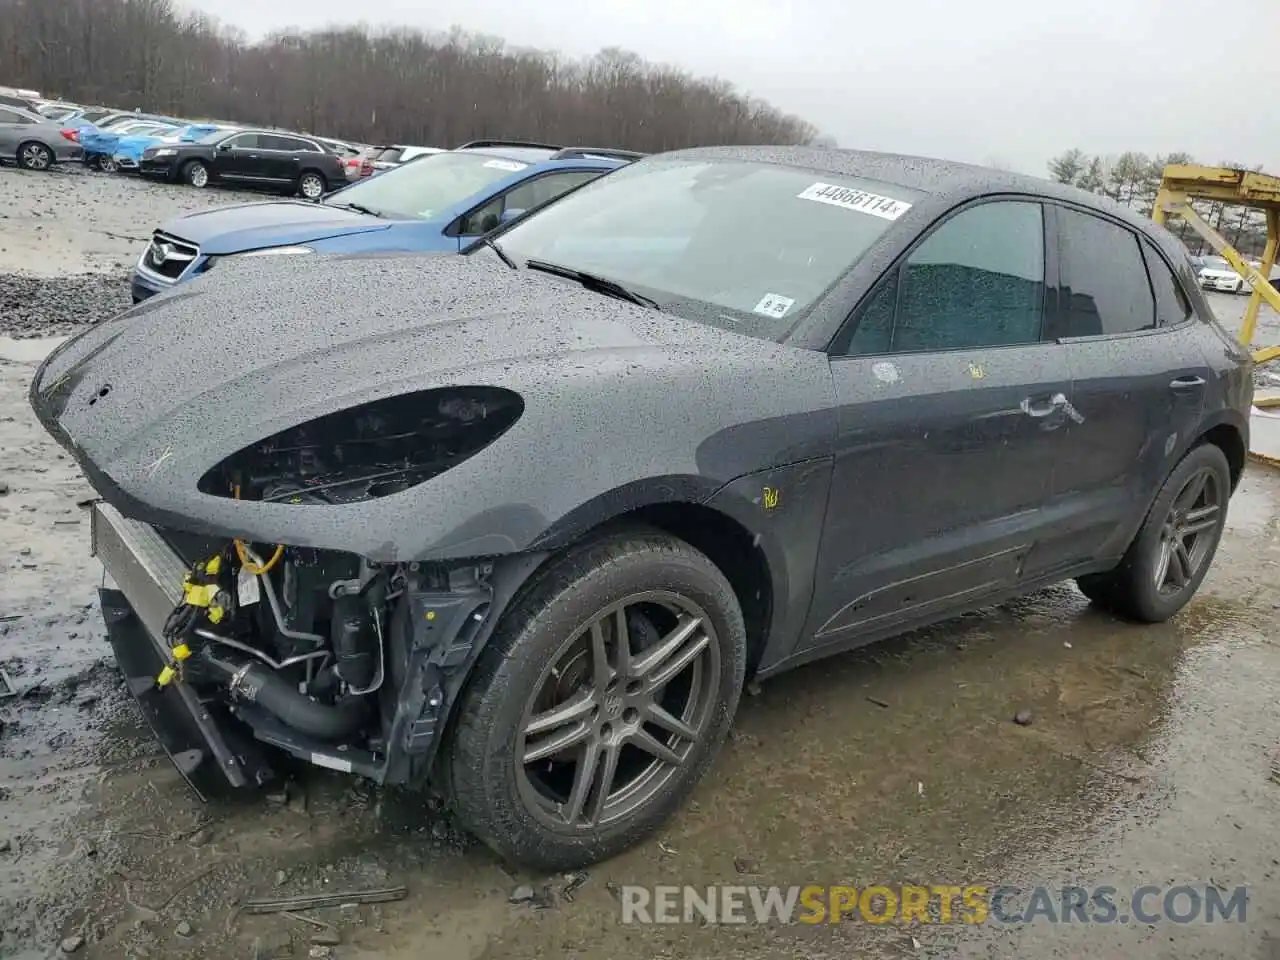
(428, 187)
(1217, 263)
(751, 246)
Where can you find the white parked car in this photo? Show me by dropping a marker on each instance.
(397, 154)
(1217, 274)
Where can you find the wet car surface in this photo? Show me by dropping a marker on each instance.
(1147, 760)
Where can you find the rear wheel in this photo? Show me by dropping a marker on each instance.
(311, 185)
(196, 174)
(34, 156)
(599, 703)
(1172, 553)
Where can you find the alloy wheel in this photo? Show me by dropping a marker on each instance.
(618, 711)
(1188, 533)
(108, 165)
(311, 187)
(36, 157)
(199, 176)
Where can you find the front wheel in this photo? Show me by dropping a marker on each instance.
(107, 164)
(196, 174)
(311, 185)
(599, 703)
(34, 156)
(1173, 550)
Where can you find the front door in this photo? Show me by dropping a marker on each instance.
(1130, 338)
(239, 158)
(952, 413)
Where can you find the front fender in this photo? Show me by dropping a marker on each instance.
(785, 508)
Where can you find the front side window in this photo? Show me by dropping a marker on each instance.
(976, 281)
(429, 187)
(1104, 279)
(246, 141)
(749, 246)
(9, 116)
(524, 197)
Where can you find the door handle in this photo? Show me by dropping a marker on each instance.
(1044, 408)
(1184, 384)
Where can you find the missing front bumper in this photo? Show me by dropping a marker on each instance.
(199, 738)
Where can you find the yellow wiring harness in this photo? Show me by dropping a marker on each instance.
(248, 565)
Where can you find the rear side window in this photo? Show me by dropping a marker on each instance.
(1104, 279)
(976, 281)
(391, 155)
(1172, 305)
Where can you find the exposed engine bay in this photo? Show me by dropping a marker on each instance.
(326, 655)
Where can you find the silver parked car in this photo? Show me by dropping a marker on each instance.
(33, 141)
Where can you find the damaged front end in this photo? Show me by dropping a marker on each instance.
(342, 661)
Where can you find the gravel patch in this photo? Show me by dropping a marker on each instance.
(39, 307)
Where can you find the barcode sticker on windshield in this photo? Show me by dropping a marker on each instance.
(511, 165)
(877, 206)
(773, 305)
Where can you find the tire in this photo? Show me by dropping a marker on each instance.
(195, 174)
(33, 155)
(312, 185)
(510, 805)
(107, 164)
(1148, 587)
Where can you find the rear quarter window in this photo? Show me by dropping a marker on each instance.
(1172, 305)
(1105, 290)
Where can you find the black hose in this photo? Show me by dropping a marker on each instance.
(259, 684)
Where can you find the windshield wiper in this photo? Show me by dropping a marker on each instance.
(358, 208)
(502, 255)
(610, 288)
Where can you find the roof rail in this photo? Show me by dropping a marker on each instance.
(476, 144)
(578, 153)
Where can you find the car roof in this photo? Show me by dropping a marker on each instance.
(947, 181)
(543, 156)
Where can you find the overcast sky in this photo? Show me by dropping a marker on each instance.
(1001, 81)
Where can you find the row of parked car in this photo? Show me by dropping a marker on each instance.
(439, 201)
(39, 133)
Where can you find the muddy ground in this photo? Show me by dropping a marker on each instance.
(1148, 758)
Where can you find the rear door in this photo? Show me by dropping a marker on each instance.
(952, 411)
(13, 126)
(1139, 378)
(282, 157)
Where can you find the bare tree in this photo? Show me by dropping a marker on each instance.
(387, 85)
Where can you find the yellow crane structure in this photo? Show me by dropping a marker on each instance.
(1183, 183)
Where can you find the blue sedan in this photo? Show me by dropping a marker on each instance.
(100, 145)
(437, 203)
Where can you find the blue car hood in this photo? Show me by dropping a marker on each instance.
(251, 226)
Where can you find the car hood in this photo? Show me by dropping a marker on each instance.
(251, 226)
(149, 401)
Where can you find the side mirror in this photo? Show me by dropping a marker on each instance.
(224, 146)
(508, 215)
